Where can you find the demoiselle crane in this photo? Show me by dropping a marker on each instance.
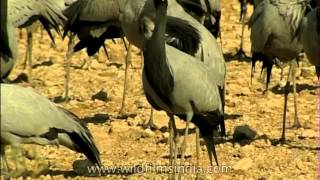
(29, 118)
(174, 81)
(20, 14)
(274, 25)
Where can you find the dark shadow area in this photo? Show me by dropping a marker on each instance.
(65, 174)
(96, 119)
(126, 115)
(23, 77)
(101, 95)
(232, 116)
(117, 65)
(44, 63)
(232, 57)
(59, 99)
(300, 87)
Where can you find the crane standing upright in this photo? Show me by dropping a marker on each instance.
(174, 81)
(274, 25)
(21, 13)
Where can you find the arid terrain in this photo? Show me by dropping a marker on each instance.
(96, 94)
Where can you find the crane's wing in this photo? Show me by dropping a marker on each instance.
(4, 46)
(181, 35)
(260, 24)
(93, 22)
(292, 12)
(24, 12)
(27, 117)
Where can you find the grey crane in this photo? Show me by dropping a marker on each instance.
(29, 118)
(29, 50)
(20, 14)
(93, 22)
(208, 13)
(243, 15)
(274, 25)
(310, 37)
(174, 81)
(207, 50)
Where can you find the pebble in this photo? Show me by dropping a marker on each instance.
(243, 164)
(307, 71)
(308, 133)
(244, 132)
(148, 133)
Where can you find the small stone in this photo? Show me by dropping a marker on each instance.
(102, 96)
(307, 71)
(243, 133)
(243, 164)
(165, 135)
(300, 165)
(148, 133)
(308, 133)
(81, 167)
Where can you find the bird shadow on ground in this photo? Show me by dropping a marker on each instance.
(300, 87)
(23, 77)
(231, 57)
(274, 142)
(94, 172)
(65, 174)
(48, 62)
(232, 116)
(96, 119)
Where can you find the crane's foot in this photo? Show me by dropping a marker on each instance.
(276, 142)
(241, 54)
(150, 125)
(296, 124)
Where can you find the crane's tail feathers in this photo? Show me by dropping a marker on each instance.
(83, 140)
(73, 13)
(52, 15)
(189, 4)
(254, 58)
(94, 42)
(182, 35)
(211, 149)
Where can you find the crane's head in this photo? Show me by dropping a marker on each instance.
(151, 16)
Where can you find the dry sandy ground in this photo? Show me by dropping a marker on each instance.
(124, 143)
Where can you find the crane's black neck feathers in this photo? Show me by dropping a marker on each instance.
(156, 68)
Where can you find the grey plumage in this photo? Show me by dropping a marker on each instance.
(274, 26)
(27, 117)
(179, 83)
(310, 37)
(21, 13)
(94, 21)
(208, 12)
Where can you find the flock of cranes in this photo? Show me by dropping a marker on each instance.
(184, 68)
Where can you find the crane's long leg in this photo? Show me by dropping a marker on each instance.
(296, 123)
(173, 146)
(67, 67)
(123, 103)
(286, 93)
(240, 54)
(150, 124)
(197, 150)
(4, 163)
(184, 143)
(28, 56)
